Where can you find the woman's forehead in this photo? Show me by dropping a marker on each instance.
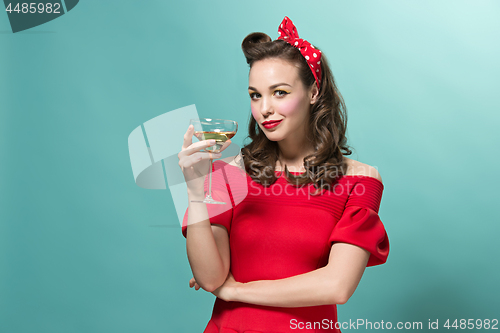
(268, 72)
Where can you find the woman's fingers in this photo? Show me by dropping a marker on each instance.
(188, 137)
(188, 161)
(189, 148)
(191, 153)
(225, 145)
(195, 147)
(192, 283)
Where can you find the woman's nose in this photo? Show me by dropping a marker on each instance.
(266, 106)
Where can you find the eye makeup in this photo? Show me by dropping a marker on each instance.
(254, 94)
(286, 92)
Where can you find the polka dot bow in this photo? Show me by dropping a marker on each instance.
(288, 33)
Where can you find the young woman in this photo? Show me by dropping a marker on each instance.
(302, 223)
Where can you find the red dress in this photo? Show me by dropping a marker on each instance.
(282, 231)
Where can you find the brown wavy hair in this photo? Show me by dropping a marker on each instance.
(326, 129)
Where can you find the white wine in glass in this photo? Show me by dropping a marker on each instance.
(219, 130)
(219, 137)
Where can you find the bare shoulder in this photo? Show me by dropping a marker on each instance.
(358, 168)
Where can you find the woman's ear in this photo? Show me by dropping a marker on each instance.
(314, 93)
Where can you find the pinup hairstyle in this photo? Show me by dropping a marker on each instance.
(327, 122)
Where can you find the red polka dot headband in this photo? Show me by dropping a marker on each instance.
(288, 33)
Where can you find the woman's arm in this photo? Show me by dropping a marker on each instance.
(333, 284)
(207, 247)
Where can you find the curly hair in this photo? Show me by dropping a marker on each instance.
(326, 127)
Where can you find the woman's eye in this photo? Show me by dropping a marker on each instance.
(254, 95)
(280, 93)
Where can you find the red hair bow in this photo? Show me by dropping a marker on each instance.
(288, 33)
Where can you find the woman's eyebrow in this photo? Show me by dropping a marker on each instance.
(272, 87)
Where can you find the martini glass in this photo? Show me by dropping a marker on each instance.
(219, 130)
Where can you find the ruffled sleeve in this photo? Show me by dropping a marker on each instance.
(360, 223)
(218, 214)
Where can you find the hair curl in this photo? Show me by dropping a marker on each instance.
(326, 128)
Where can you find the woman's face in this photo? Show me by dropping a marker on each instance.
(277, 93)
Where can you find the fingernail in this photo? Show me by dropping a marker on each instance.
(212, 142)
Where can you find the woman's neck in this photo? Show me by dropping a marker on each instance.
(294, 160)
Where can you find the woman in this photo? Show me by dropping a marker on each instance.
(291, 245)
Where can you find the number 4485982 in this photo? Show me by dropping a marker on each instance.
(471, 324)
(34, 7)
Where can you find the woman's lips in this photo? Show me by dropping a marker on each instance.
(271, 125)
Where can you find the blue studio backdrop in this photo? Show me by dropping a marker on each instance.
(83, 248)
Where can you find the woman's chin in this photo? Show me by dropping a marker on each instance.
(273, 137)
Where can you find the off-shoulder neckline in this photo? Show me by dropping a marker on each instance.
(364, 176)
(298, 172)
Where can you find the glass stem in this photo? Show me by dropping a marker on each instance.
(210, 180)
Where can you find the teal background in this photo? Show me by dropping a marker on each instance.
(84, 249)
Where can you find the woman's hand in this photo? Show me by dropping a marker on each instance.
(193, 163)
(228, 290)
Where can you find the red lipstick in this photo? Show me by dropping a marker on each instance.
(271, 123)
